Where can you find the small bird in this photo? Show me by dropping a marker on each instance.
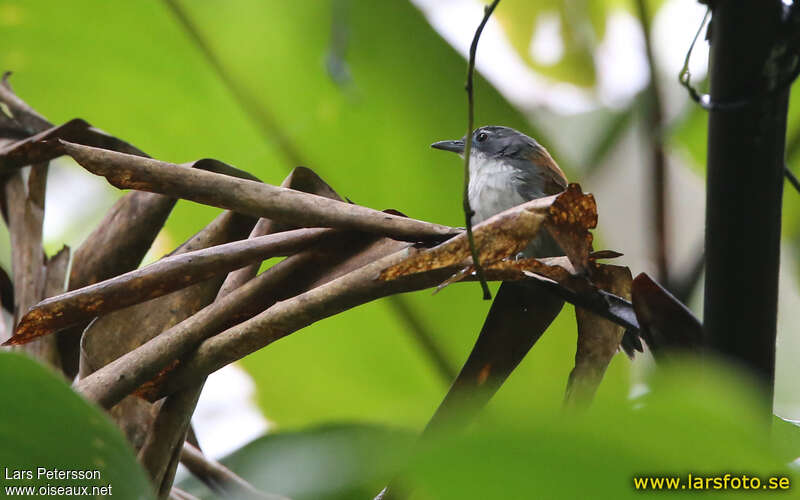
(508, 168)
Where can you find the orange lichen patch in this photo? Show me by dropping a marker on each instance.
(483, 375)
(41, 318)
(30, 326)
(151, 388)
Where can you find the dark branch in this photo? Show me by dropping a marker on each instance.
(156, 280)
(248, 197)
(654, 113)
(791, 178)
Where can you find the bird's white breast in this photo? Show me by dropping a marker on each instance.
(491, 187)
(494, 187)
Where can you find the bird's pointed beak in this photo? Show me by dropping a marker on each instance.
(456, 146)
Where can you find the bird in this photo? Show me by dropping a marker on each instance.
(508, 168)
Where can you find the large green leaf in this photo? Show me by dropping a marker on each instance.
(697, 420)
(333, 462)
(46, 428)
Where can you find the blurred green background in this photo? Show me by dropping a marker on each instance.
(360, 88)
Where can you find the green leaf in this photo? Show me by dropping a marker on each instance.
(791, 198)
(45, 428)
(690, 135)
(786, 438)
(697, 419)
(519, 19)
(333, 462)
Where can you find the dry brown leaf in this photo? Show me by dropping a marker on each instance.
(520, 314)
(598, 338)
(156, 280)
(572, 214)
(667, 324)
(568, 216)
(38, 148)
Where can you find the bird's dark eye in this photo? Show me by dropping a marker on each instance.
(481, 137)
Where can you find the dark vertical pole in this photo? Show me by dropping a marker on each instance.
(745, 179)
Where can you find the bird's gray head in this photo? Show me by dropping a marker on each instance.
(508, 168)
(495, 142)
(504, 162)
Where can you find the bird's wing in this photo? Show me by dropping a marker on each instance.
(555, 180)
(543, 180)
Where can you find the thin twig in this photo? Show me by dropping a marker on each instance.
(685, 77)
(468, 212)
(791, 177)
(167, 436)
(656, 130)
(793, 145)
(704, 100)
